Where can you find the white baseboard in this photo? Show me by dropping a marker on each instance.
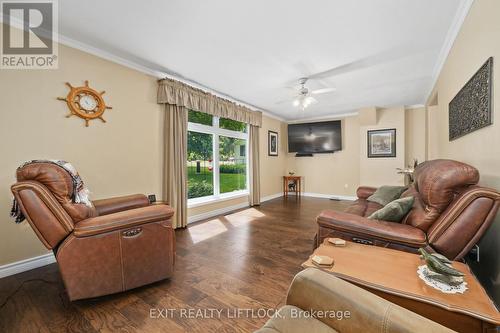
(26, 264)
(216, 212)
(221, 211)
(271, 197)
(329, 196)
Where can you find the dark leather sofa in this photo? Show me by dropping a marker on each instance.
(118, 244)
(449, 215)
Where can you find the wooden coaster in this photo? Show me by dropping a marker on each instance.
(323, 261)
(337, 241)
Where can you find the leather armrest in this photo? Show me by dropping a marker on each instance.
(122, 220)
(118, 204)
(363, 192)
(315, 290)
(382, 230)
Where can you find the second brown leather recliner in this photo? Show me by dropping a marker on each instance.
(450, 213)
(113, 245)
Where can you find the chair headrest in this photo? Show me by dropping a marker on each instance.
(438, 181)
(51, 175)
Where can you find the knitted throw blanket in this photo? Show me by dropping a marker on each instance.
(80, 191)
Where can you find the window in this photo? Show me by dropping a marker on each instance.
(217, 162)
(200, 171)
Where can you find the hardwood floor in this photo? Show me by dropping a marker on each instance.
(244, 260)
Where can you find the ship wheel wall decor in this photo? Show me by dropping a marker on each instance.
(85, 102)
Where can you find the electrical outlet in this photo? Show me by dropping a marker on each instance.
(346, 185)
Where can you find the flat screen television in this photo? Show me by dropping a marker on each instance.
(313, 138)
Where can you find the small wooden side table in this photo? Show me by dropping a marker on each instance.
(292, 180)
(392, 275)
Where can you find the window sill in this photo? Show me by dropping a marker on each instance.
(196, 202)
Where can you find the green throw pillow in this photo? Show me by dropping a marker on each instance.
(385, 194)
(394, 211)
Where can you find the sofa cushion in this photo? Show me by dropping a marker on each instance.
(370, 229)
(394, 211)
(291, 319)
(385, 194)
(363, 192)
(362, 207)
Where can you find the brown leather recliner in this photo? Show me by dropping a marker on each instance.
(449, 215)
(119, 244)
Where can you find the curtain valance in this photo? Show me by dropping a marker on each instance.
(177, 93)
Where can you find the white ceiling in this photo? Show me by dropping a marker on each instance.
(376, 53)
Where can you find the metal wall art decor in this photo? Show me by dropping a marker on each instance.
(470, 109)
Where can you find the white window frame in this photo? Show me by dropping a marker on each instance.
(216, 131)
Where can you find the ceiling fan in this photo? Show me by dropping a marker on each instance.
(304, 97)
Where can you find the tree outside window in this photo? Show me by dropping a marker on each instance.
(207, 178)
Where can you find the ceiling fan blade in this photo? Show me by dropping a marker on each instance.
(323, 91)
(295, 88)
(290, 100)
(313, 100)
(380, 58)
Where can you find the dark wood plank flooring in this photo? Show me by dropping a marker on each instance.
(244, 260)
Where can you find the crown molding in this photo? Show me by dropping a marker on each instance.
(323, 118)
(156, 73)
(414, 106)
(148, 70)
(109, 56)
(274, 116)
(451, 36)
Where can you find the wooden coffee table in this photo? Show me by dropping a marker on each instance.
(392, 275)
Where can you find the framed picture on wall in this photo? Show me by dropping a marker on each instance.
(382, 143)
(272, 143)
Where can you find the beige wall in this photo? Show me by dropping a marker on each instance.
(433, 130)
(382, 171)
(477, 40)
(415, 132)
(336, 173)
(119, 157)
(342, 172)
(272, 168)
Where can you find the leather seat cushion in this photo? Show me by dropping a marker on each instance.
(372, 229)
(363, 207)
(291, 319)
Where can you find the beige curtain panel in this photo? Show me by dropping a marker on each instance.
(177, 93)
(254, 163)
(175, 157)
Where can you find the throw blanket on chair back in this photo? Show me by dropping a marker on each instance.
(79, 195)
